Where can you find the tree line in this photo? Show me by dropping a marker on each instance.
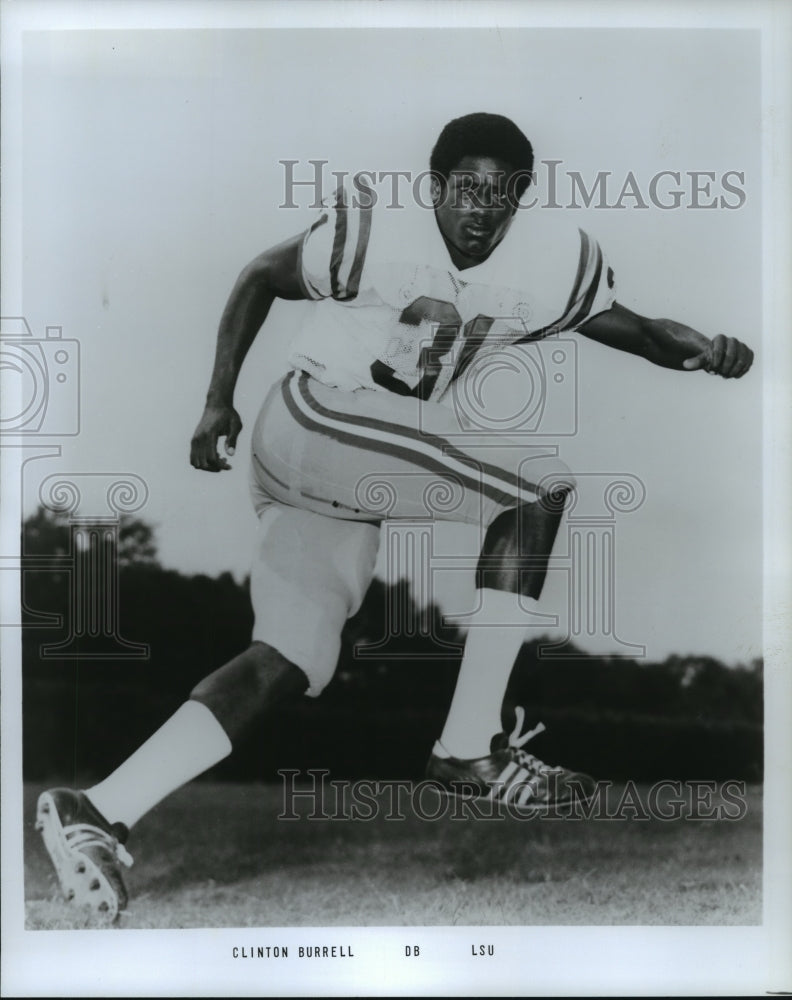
(87, 704)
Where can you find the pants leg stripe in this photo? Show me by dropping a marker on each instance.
(426, 450)
(272, 476)
(432, 443)
(375, 443)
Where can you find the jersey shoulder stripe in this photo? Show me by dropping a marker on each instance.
(332, 261)
(339, 242)
(589, 287)
(585, 251)
(305, 285)
(591, 290)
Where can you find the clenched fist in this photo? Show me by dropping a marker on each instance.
(216, 422)
(724, 356)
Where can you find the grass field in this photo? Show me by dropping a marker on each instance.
(215, 855)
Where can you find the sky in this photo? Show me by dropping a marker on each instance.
(152, 175)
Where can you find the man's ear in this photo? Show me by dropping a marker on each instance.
(436, 189)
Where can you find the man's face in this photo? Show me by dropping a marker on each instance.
(472, 209)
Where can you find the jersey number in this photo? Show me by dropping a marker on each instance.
(447, 325)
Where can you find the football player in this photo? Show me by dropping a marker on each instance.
(407, 303)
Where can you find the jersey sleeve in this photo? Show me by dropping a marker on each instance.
(593, 289)
(333, 251)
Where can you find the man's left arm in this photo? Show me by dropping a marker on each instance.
(667, 343)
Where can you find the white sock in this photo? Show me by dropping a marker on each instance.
(189, 743)
(491, 648)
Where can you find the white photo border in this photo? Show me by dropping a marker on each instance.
(581, 960)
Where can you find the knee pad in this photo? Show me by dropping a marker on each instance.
(257, 679)
(310, 573)
(518, 543)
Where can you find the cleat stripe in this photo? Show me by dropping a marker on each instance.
(516, 783)
(500, 787)
(525, 794)
(507, 772)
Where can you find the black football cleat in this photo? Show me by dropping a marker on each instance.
(512, 776)
(86, 851)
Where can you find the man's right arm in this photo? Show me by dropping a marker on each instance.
(273, 274)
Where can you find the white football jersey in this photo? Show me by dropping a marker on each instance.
(397, 314)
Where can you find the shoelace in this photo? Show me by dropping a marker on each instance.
(82, 835)
(516, 742)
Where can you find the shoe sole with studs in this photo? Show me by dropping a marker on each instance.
(82, 881)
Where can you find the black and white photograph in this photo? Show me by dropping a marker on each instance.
(395, 526)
